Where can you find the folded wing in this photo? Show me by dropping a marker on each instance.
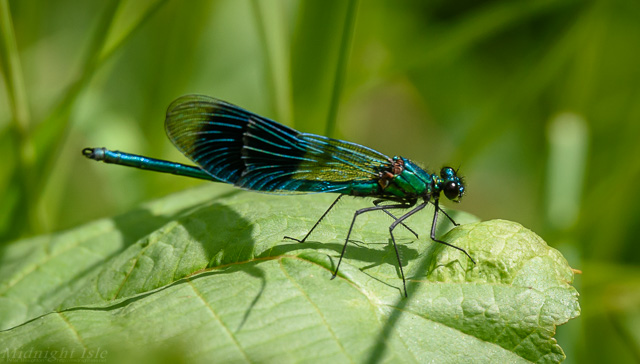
(239, 147)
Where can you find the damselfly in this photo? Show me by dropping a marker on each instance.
(232, 145)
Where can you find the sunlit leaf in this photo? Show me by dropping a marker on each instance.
(208, 271)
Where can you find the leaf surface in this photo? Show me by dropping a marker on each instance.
(207, 271)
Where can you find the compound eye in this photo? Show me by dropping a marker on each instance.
(451, 190)
(447, 172)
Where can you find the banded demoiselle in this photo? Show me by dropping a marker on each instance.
(232, 145)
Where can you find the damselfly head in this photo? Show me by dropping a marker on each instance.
(452, 185)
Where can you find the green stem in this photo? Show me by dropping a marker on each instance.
(108, 52)
(16, 92)
(343, 56)
(52, 131)
(12, 70)
(52, 134)
(39, 149)
(275, 46)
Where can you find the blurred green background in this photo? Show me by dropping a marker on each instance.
(538, 103)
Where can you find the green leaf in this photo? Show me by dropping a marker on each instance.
(207, 272)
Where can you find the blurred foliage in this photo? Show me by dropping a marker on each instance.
(537, 101)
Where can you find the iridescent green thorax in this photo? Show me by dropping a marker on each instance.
(405, 180)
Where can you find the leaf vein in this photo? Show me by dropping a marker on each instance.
(217, 318)
(315, 307)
